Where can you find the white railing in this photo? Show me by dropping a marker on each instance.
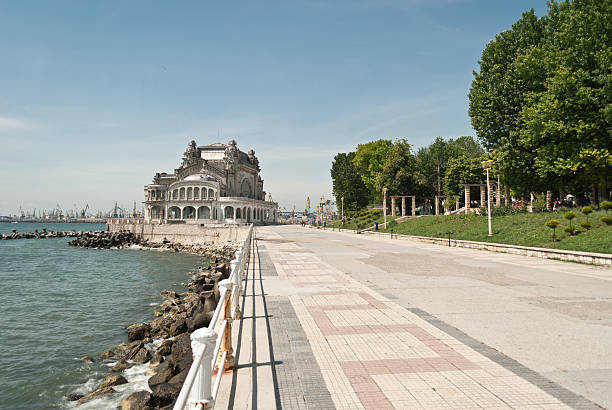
(215, 341)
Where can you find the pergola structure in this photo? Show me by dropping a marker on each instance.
(483, 194)
(439, 198)
(393, 213)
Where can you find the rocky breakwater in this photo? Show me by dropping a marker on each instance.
(44, 234)
(107, 240)
(164, 343)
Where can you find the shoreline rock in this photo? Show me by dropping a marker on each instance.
(173, 321)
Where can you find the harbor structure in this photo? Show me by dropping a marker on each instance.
(216, 183)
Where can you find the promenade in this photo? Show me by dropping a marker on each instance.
(338, 320)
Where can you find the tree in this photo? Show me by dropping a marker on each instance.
(368, 160)
(568, 119)
(347, 182)
(398, 170)
(462, 170)
(433, 161)
(497, 97)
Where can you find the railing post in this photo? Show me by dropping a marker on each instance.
(226, 344)
(203, 339)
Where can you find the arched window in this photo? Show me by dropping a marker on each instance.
(238, 213)
(203, 212)
(229, 212)
(182, 193)
(196, 193)
(174, 212)
(155, 212)
(245, 188)
(189, 212)
(189, 193)
(211, 194)
(175, 194)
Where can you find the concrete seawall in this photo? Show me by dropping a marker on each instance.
(185, 234)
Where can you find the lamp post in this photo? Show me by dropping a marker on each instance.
(487, 165)
(385, 204)
(342, 216)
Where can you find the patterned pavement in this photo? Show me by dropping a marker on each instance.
(332, 342)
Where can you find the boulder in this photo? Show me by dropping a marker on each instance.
(113, 379)
(140, 400)
(107, 355)
(138, 331)
(121, 365)
(142, 356)
(127, 351)
(165, 348)
(97, 393)
(179, 326)
(74, 396)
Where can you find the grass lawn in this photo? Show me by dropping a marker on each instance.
(525, 229)
(361, 224)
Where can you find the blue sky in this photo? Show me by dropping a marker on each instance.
(95, 97)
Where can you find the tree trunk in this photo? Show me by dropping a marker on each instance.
(594, 197)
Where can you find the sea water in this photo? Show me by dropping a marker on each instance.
(59, 303)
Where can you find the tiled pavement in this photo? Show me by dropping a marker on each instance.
(312, 337)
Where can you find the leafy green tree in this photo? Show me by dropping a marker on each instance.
(433, 162)
(398, 171)
(369, 159)
(497, 97)
(571, 115)
(347, 182)
(462, 170)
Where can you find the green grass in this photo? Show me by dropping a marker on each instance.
(526, 229)
(363, 223)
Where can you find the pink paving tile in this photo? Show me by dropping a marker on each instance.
(374, 400)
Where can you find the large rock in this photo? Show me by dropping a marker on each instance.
(141, 400)
(165, 348)
(127, 351)
(138, 331)
(107, 355)
(121, 365)
(179, 326)
(97, 393)
(142, 356)
(113, 379)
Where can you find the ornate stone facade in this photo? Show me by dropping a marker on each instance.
(215, 183)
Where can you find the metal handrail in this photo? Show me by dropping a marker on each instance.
(207, 344)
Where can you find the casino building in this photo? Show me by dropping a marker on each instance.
(215, 183)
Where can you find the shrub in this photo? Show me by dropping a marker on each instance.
(540, 202)
(586, 225)
(569, 215)
(552, 224)
(606, 219)
(569, 229)
(607, 205)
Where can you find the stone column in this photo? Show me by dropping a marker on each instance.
(392, 206)
(549, 201)
(403, 206)
(483, 195)
(456, 203)
(413, 206)
(466, 189)
(498, 192)
(437, 199)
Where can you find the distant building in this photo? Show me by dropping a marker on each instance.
(215, 183)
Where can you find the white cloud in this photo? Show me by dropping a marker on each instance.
(11, 124)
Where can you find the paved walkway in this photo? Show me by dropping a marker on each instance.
(312, 336)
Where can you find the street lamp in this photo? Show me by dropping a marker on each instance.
(342, 199)
(385, 204)
(487, 165)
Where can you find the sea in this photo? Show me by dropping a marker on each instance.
(60, 303)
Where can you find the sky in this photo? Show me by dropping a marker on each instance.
(96, 97)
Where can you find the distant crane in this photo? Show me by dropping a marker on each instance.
(84, 211)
